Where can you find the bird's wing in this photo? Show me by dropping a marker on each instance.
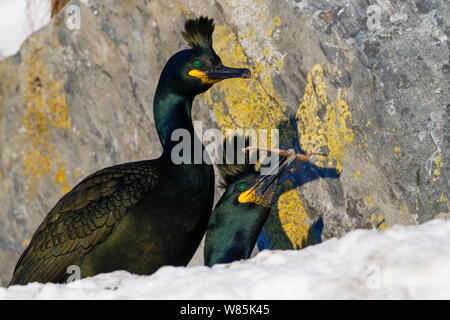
(83, 218)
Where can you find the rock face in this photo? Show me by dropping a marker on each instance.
(367, 83)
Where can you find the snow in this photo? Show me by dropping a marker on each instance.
(403, 262)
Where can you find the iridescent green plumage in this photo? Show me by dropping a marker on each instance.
(233, 227)
(84, 218)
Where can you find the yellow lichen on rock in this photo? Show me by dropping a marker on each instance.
(268, 32)
(45, 109)
(276, 21)
(61, 178)
(332, 131)
(370, 201)
(293, 217)
(396, 152)
(437, 172)
(182, 9)
(378, 222)
(382, 227)
(247, 104)
(405, 209)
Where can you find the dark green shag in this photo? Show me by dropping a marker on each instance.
(234, 226)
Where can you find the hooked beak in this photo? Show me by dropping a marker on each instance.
(262, 192)
(221, 72)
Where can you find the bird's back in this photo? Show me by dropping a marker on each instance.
(136, 216)
(84, 218)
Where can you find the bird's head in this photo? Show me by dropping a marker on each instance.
(241, 212)
(195, 70)
(243, 184)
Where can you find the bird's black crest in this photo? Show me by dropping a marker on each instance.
(198, 32)
(234, 171)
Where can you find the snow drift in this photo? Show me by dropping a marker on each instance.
(404, 262)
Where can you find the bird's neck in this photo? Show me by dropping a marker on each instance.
(172, 112)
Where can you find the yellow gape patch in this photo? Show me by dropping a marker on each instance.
(247, 196)
(202, 76)
(250, 196)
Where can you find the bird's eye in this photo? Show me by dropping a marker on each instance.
(196, 64)
(241, 187)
